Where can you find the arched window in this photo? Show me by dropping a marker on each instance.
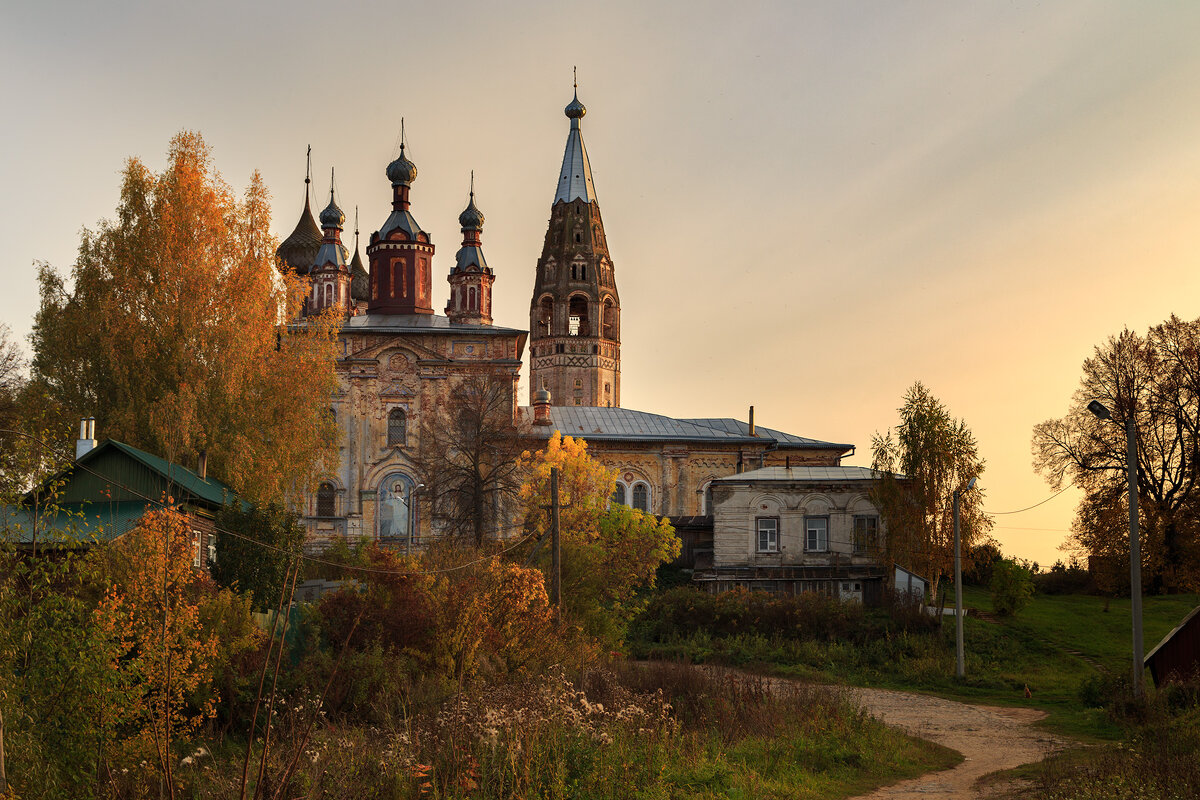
(608, 319)
(707, 508)
(328, 294)
(397, 432)
(583, 272)
(618, 495)
(546, 315)
(472, 298)
(393, 515)
(326, 500)
(641, 497)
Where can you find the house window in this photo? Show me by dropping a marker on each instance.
(618, 495)
(641, 497)
(397, 432)
(326, 500)
(866, 535)
(816, 538)
(768, 534)
(196, 541)
(212, 550)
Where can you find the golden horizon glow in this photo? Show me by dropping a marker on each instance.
(809, 206)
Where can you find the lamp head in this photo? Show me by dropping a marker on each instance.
(1099, 409)
(971, 484)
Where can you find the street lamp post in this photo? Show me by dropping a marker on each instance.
(960, 665)
(1135, 547)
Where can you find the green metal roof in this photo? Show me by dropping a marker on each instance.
(69, 525)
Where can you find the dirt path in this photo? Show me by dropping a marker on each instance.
(990, 738)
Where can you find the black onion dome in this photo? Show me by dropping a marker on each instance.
(471, 217)
(299, 250)
(402, 171)
(359, 279)
(332, 216)
(575, 109)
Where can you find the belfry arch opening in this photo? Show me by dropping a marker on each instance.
(577, 313)
(545, 315)
(608, 319)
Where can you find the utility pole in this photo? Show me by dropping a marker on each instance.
(960, 665)
(1135, 556)
(1135, 547)
(556, 551)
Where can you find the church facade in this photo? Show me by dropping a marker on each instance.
(399, 358)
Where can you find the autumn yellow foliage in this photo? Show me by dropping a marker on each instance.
(173, 331)
(609, 551)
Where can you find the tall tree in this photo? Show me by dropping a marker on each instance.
(469, 457)
(173, 333)
(921, 464)
(609, 551)
(243, 562)
(1155, 379)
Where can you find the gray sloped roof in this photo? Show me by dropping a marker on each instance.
(743, 428)
(417, 323)
(626, 424)
(811, 474)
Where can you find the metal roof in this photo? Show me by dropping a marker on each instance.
(402, 220)
(742, 428)
(71, 524)
(418, 323)
(626, 424)
(208, 489)
(575, 178)
(808, 474)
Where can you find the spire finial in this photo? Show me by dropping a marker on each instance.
(402, 136)
(308, 169)
(356, 227)
(472, 185)
(575, 79)
(331, 184)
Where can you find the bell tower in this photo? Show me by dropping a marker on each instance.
(575, 313)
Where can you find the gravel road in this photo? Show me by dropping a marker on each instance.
(990, 739)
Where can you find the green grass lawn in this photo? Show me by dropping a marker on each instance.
(1052, 646)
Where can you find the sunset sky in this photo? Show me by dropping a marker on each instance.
(809, 205)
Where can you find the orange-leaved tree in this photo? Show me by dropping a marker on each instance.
(609, 551)
(173, 331)
(152, 615)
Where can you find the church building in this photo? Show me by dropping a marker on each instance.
(399, 356)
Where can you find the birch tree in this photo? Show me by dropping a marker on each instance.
(172, 331)
(934, 454)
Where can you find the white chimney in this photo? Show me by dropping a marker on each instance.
(87, 437)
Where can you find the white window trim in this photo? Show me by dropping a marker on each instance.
(807, 533)
(649, 496)
(197, 539)
(773, 534)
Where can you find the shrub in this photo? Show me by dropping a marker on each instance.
(1011, 587)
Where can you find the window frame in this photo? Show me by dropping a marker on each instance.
(197, 548)
(330, 496)
(644, 486)
(862, 544)
(620, 494)
(760, 528)
(400, 414)
(808, 531)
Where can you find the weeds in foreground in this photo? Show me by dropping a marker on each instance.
(655, 731)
